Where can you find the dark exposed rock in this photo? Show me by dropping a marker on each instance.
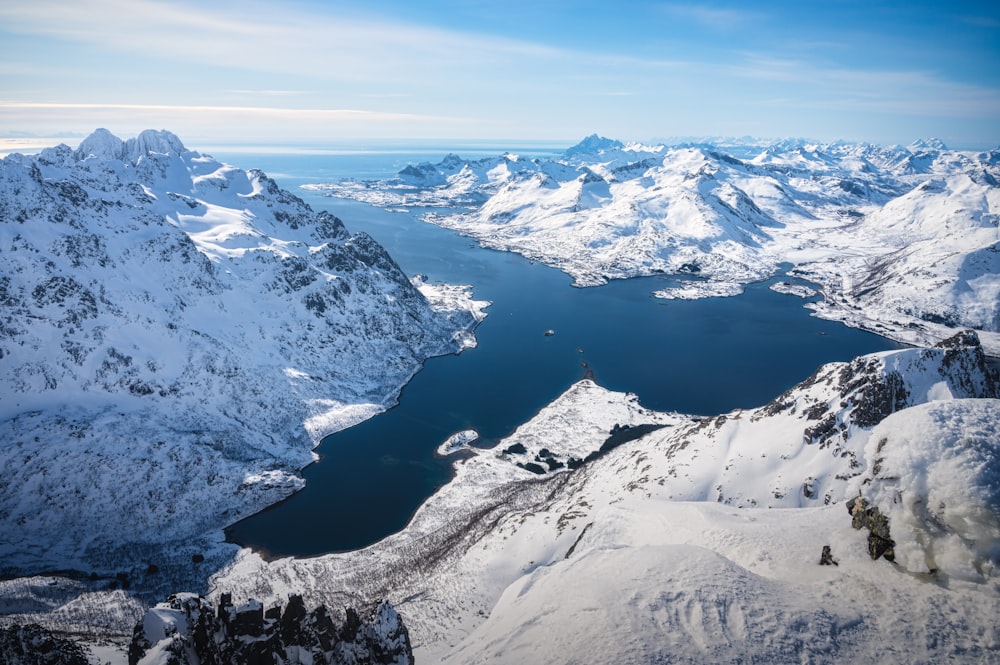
(873, 396)
(33, 645)
(863, 516)
(196, 632)
(826, 557)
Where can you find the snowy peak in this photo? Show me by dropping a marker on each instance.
(594, 145)
(188, 323)
(104, 145)
(927, 144)
(101, 144)
(153, 141)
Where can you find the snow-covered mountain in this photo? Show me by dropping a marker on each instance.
(601, 531)
(903, 241)
(177, 335)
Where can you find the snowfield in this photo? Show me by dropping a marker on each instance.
(178, 334)
(901, 241)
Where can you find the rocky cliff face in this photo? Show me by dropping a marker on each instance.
(177, 335)
(188, 630)
(33, 645)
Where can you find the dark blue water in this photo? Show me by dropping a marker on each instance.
(704, 357)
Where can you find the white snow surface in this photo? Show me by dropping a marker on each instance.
(177, 335)
(936, 470)
(700, 540)
(903, 241)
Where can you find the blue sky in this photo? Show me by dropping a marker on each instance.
(545, 70)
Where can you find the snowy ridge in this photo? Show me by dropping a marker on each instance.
(902, 241)
(662, 548)
(191, 330)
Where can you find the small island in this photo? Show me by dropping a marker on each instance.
(456, 442)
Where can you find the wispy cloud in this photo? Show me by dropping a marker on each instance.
(322, 68)
(982, 21)
(714, 18)
(269, 93)
(229, 121)
(276, 39)
(911, 93)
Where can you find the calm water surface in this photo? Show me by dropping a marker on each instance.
(704, 357)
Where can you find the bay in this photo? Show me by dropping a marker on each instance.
(703, 357)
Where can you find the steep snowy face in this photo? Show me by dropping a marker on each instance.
(902, 241)
(189, 329)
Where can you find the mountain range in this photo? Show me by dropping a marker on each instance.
(178, 335)
(903, 241)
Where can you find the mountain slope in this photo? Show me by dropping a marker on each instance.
(700, 538)
(191, 331)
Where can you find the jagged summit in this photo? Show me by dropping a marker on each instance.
(102, 144)
(594, 144)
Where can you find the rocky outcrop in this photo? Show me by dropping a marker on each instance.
(863, 516)
(188, 630)
(33, 645)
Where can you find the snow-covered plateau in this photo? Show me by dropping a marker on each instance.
(903, 241)
(177, 336)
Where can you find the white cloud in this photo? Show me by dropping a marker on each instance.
(276, 38)
(227, 122)
(220, 68)
(715, 18)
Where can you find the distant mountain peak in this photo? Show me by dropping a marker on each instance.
(594, 144)
(102, 144)
(928, 144)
